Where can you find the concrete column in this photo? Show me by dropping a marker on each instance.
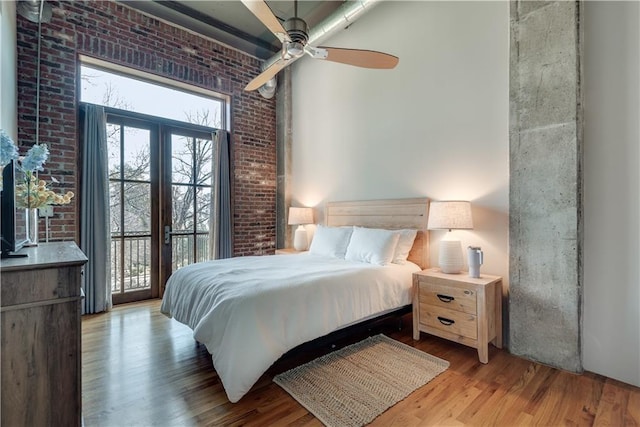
(283, 158)
(545, 296)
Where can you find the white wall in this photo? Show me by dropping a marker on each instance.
(8, 91)
(611, 328)
(435, 126)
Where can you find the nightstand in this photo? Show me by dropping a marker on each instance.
(288, 251)
(459, 308)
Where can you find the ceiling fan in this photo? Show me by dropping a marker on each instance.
(294, 36)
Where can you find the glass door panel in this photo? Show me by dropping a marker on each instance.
(131, 194)
(190, 179)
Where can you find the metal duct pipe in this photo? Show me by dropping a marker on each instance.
(339, 19)
(37, 11)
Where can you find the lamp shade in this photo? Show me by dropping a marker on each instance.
(299, 216)
(450, 215)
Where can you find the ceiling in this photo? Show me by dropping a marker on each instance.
(230, 22)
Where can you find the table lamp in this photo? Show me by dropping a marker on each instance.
(450, 215)
(300, 217)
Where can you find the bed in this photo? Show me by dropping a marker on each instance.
(249, 311)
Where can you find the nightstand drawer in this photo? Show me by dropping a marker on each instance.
(452, 321)
(448, 297)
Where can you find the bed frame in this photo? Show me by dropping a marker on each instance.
(392, 214)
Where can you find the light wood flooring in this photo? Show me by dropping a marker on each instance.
(140, 368)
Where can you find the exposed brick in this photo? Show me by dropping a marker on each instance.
(113, 32)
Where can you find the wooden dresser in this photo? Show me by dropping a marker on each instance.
(40, 326)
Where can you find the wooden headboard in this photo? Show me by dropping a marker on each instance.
(390, 214)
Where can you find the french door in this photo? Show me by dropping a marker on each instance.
(187, 187)
(160, 188)
(132, 148)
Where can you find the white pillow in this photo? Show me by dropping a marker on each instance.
(330, 241)
(372, 245)
(405, 243)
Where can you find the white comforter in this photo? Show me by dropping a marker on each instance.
(249, 311)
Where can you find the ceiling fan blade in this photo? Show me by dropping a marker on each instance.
(266, 75)
(357, 57)
(262, 11)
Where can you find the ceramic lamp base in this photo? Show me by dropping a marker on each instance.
(300, 241)
(450, 258)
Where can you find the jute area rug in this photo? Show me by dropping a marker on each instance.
(353, 385)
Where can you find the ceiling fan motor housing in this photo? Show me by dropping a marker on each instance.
(298, 32)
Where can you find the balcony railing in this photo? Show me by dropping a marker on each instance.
(182, 249)
(136, 262)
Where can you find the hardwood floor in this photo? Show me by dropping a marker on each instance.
(140, 368)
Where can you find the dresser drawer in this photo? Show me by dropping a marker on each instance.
(452, 321)
(448, 297)
(39, 285)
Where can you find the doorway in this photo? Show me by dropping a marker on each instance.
(161, 182)
(161, 174)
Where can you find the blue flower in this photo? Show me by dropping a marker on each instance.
(8, 149)
(35, 158)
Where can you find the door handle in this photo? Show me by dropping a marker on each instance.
(167, 234)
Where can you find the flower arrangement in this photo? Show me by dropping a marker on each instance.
(31, 192)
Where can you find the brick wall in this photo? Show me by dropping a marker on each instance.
(115, 33)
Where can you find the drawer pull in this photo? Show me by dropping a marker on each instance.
(445, 321)
(445, 298)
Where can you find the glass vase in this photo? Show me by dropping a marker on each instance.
(32, 226)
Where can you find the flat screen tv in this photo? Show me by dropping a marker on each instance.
(13, 220)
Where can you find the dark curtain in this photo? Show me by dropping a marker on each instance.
(94, 212)
(221, 242)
